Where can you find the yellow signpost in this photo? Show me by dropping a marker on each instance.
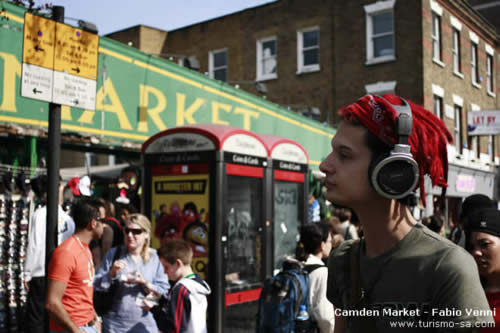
(59, 63)
(76, 51)
(39, 37)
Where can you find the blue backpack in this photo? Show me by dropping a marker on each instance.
(281, 298)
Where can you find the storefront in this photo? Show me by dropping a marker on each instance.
(462, 182)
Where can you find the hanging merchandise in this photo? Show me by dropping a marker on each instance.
(14, 217)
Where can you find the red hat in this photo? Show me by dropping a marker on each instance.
(73, 185)
(428, 139)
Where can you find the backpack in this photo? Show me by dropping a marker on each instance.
(281, 298)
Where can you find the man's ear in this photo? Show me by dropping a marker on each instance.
(92, 225)
(179, 263)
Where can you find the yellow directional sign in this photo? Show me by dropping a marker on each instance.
(39, 38)
(76, 51)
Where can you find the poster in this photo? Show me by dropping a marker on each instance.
(180, 206)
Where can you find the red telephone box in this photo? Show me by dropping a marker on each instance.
(212, 180)
(288, 183)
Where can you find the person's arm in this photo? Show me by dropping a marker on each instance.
(159, 285)
(102, 279)
(321, 308)
(36, 235)
(107, 239)
(55, 307)
(176, 312)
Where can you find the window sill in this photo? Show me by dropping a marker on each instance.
(306, 70)
(439, 62)
(266, 78)
(476, 85)
(491, 94)
(379, 60)
(460, 75)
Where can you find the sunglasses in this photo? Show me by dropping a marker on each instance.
(133, 231)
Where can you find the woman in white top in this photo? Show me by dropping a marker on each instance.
(315, 244)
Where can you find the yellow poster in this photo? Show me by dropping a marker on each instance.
(180, 206)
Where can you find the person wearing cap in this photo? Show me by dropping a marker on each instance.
(399, 265)
(483, 231)
(471, 204)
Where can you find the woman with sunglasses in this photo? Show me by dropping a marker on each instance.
(137, 273)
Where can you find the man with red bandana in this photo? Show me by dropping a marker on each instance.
(400, 277)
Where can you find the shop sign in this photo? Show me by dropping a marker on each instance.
(465, 183)
(483, 122)
(139, 95)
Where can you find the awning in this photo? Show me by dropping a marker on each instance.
(102, 171)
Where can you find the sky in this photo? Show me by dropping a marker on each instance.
(114, 15)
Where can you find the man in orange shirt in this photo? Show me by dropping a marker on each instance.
(71, 275)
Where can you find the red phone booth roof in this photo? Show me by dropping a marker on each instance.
(285, 149)
(220, 135)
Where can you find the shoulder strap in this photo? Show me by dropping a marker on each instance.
(300, 296)
(310, 268)
(356, 290)
(115, 221)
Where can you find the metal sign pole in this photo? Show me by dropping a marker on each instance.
(53, 165)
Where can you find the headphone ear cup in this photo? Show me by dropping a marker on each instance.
(373, 164)
(395, 177)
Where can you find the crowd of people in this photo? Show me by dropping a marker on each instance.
(104, 276)
(380, 269)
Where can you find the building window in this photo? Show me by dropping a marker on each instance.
(380, 31)
(308, 50)
(266, 59)
(438, 106)
(489, 73)
(436, 37)
(217, 65)
(474, 65)
(458, 129)
(473, 140)
(457, 61)
(491, 147)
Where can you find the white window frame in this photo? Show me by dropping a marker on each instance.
(438, 109)
(456, 50)
(260, 59)
(381, 87)
(457, 129)
(436, 38)
(474, 61)
(490, 70)
(377, 8)
(474, 145)
(300, 51)
(211, 68)
(491, 147)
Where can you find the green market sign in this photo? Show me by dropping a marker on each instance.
(139, 95)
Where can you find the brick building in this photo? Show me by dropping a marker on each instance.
(317, 55)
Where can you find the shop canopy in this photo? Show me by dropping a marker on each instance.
(139, 95)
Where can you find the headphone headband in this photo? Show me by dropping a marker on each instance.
(405, 121)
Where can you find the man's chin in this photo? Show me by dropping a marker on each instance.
(336, 201)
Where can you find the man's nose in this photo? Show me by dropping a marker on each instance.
(326, 166)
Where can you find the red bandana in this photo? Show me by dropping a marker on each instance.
(428, 140)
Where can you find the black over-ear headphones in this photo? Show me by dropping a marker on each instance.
(394, 176)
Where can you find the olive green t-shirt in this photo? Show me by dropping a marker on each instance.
(423, 284)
